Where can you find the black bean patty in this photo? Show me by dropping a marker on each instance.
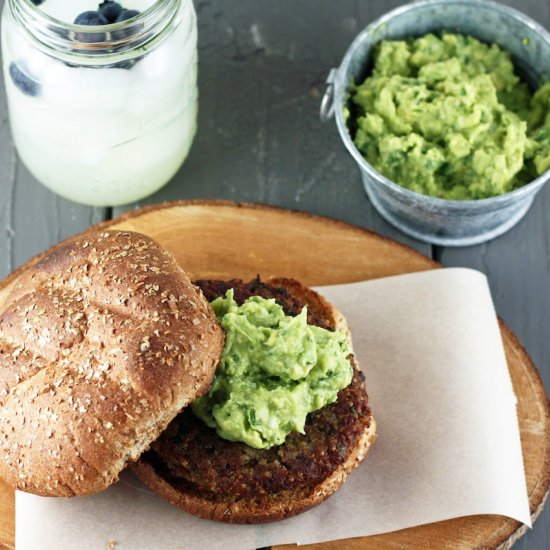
(194, 453)
(212, 288)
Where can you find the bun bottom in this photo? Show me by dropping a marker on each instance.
(186, 496)
(261, 510)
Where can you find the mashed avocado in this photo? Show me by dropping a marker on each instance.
(448, 117)
(274, 370)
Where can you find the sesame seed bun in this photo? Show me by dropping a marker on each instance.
(102, 343)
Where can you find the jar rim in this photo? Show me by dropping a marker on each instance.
(96, 44)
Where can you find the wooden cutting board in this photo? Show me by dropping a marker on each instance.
(221, 240)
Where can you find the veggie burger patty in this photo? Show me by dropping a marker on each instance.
(195, 456)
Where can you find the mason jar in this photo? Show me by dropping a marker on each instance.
(101, 114)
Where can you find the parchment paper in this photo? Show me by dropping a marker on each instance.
(448, 442)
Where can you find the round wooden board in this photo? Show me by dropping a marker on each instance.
(215, 239)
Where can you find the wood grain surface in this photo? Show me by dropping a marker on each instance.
(262, 65)
(221, 239)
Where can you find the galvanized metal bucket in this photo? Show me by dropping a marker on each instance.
(440, 221)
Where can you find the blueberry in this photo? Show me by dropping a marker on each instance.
(125, 15)
(124, 33)
(91, 18)
(37, 2)
(23, 81)
(110, 10)
(127, 65)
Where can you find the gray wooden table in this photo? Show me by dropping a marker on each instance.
(262, 68)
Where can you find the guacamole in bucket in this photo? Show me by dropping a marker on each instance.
(447, 116)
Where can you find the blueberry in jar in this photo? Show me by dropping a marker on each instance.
(91, 19)
(23, 81)
(126, 65)
(125, 15)
(110, 10)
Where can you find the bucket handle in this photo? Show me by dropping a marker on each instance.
(326, 111)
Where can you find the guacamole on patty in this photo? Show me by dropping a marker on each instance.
(274, 370)
(448, 117)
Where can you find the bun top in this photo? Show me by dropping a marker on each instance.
(102, 343)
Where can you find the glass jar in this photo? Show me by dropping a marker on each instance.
(102, 115)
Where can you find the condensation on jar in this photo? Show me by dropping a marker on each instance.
(102, 112)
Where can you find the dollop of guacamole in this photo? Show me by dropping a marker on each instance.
(274, 370)
(448, 117)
